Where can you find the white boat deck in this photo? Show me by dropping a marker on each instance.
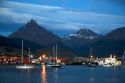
(25, 67)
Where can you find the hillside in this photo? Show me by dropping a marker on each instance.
(35, 33)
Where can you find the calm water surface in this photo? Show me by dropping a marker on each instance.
(65, 74)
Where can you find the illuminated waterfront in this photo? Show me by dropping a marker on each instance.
(65, 74)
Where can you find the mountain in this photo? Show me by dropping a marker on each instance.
(35, 33)
(39, 36)
(12, 46)
(77, 43)
(81, 37)
(117, 34)
(105, 47)
(111, 43)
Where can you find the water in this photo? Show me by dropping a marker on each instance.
(65, 74)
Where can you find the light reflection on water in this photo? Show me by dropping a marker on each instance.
(65, 74)
(55, 75)
(43, 74)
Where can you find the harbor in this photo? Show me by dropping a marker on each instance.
(43, 59)
(62, 41)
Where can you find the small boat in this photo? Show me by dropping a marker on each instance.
(92, 64)
(49, 65)
(56, 65)
(24, 66)
(107, 65)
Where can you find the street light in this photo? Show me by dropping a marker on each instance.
(43, 56)
(91, 56)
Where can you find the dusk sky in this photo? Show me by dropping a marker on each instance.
(63, 16)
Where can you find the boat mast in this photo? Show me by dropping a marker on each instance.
(56, 52)
(22, 52)
(91, 54)
(29, 55)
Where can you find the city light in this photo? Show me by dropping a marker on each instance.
(43, 56)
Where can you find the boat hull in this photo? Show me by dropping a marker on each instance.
(25, 67)
(105, 65)
(55, 65)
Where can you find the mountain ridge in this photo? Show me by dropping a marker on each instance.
(35, 33)
(116, 34)
(78, 43)
(81, 37)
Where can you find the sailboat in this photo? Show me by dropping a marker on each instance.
(24, 66)
(49, 62)
(55, 63)
(91, 62)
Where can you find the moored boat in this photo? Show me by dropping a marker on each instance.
(92, 64)
(24, 66)
(56, 65)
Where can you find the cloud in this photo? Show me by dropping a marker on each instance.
(13, 17)
(12, 4)
(58, 18)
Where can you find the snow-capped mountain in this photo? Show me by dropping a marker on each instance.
(80, 37)
(83, 34)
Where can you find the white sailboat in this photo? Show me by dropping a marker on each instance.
(24, 66)
(55, 64)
